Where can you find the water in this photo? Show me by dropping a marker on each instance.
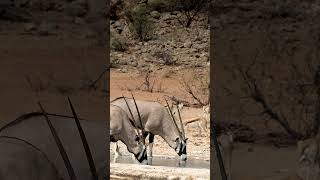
(166, 161)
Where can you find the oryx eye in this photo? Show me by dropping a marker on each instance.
(177, 139)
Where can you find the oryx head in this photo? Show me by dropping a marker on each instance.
(181, 141)
(139, 138)
(181, 148)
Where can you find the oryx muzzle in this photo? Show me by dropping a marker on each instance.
(142, 155)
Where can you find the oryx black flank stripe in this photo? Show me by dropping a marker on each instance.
(34, 147)
(30, 115)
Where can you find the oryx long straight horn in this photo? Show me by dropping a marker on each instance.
(84, 143)
(60, 146)
(174, 122)
(133, 120)
(182, 129)
(141, 125)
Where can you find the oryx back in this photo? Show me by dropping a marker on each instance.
(35, 130)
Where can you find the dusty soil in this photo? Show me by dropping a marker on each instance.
(48, 68)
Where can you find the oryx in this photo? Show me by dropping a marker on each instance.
(121, 128)
(33, 129)
(156, 119)
(22, 160)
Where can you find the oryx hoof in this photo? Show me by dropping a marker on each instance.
(144, 162)
(182, 163)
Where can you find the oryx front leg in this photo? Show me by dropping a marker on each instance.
(150, 147)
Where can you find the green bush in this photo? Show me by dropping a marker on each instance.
(118, 44)
(140, 24)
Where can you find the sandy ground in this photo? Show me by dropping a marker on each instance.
(56, 67)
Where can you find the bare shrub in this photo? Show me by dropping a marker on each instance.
(150, 83)
(189, 9)
(197, 88)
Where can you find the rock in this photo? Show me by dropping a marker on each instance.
(117, 24)
(168, 17)
(203, 54)
(187, 44)
(174, 13)
(123, 70)
(155, 14)
(197, 55)
(201, 47)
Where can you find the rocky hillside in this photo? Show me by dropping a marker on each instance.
(66, 18)
(169, 43)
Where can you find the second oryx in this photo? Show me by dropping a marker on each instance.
(156, 119)
(122, 129)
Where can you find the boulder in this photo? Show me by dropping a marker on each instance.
(187, 44)
(155, 14)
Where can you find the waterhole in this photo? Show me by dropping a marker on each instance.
(168, 161)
